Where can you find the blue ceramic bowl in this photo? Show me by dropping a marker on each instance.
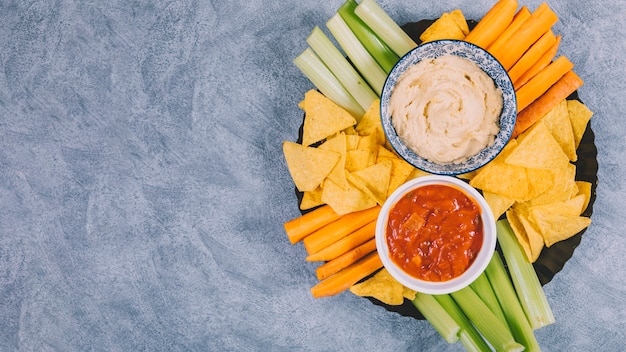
(489, 65)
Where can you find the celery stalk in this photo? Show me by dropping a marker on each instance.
(362, 60)
(498, 335)
(385, 57)
(512, 309)
(468, 335)
(385, 27)
(437, 316)
(315, 70)
(529, 291)
(341, 68)
(483, 288)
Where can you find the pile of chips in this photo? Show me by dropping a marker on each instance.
(343, 162)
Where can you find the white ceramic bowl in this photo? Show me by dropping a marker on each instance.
(489, 65)
(477, 266)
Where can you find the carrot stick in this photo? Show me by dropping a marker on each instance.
(544, 61)
(345, 244)
(343, 261)
(493, 23)
(347, 277)
(535, 111)
(519, 18)
(339, 228)
(300, 227)
(534, 54)
(529, 32)
(542, 82)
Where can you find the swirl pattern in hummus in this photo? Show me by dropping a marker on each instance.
(446, 109)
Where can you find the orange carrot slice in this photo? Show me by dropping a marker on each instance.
(529, 32)
(347, 277)
(339, 228)
(535, 111)
(300, 227)
(519, 18)
(543, 61)
(343, 261)
(532, 55)
(345, 244)
(542, 82)
(493, 23)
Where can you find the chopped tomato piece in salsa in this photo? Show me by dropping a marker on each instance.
(434, 232)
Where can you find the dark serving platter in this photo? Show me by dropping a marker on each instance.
(552, 259)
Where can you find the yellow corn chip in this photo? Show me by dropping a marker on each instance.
(381, 286)
(538, 149)
(497, 203)
(579, 115)
(323, 118)
(337, 144)
(520, 233)
(374, 179)
(584, 188)
(308, 166)
(311, 199)
(371, 124)
(535, 240)
(357, 159)
(559, 124)
(344, 201)
(557, 227)
(459, 19)
(444, 27)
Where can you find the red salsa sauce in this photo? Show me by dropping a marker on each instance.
(434, 232)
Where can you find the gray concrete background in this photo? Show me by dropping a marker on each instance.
(143, 189)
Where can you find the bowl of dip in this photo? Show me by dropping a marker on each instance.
(448, 107)
(435, 234)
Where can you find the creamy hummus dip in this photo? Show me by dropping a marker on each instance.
(446, 109)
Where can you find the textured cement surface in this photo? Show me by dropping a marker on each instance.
(143, 189)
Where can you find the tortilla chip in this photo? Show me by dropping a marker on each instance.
(400, 173)
(444, 27)
(559, 124)
(308, 166)
(538, 149)
(381, 286)
(557, 227)
(498, 204)
(337, 144)
(371, 124)
(459, 19)
(579, 115)
(311, 199)
(323, 118)
(408, 293)
(520, 233)
(535, 240)
(357, 159)
(584, 188)
(344, 201)
(374, 179)
(563, 187)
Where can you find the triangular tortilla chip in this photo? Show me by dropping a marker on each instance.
(520, 233)
(459, 19)
(371, 123)
(375, 179)
(535, 240)
(584, 188)
(557, 227)
(337, 144)
(381, 286)
(344, 201)
(323, 118)
(538, 149)
(311, 199)
(559, 124)
(579, 115)
(357, 159)
(308, 166)
(444, 27)
(563, 187)
(498, 204)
